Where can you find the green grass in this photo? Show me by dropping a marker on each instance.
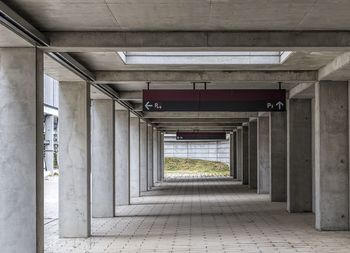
(195, 166)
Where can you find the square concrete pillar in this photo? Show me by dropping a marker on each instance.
(278, 156)
(143, 157)
(155, 155)
(21, 150)
(102, 158)
(122, 157)
(253, 162)
(332, 155)
(135, 157)
(150, 157)
(263, 177)
(245, 158)
(234, 153)
(239, 153)
(161, 156)
(49, 142)
(231, 155)
(75, 155)
(299, 167)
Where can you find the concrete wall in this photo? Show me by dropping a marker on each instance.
(217, 151)
(134, 157)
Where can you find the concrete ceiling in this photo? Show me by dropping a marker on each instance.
(184, 15)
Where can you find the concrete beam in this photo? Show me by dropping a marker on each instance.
(135, 96)
(302, 90)
(237, 40)
(105, 77)
(198, 124)
(337, 70)
(199, 115)
(198, 120)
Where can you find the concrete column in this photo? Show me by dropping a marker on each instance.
(239, 153)
(245, 158)
(49, 142)
(231, 155)
(234, 154)
(74, 150)
(161, 156)
(263, 177)
(143, 157)
(135, 157)
(278, 156)
(332, 155)
(122, 157)
(155, 155)
(21, 150)
(150, 156)
(102, 157)
(299, 167)
(253, 163)
(158, 156)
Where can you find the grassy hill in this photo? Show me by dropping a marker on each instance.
(195, 166)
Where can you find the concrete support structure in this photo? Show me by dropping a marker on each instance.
(75, 156)
(263, 177)
(253, 163)
(135, 157)
(239, 153)
(332, 155)
(143, 157)
(231, 154)
(245, 158)
(122, 157)
(49, 142)
(155, 155)
(299, 167)
(162, 156)
(21, 149)
(234, 154)
(278, 156)
(149, 157)
(102, 158)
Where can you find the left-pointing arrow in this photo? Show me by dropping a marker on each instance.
(148, 105)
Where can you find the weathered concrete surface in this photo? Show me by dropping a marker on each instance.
(159, 172)
(143, 157)
(234, 154)
(299, 167)
(102, 158)
(239, 153)
(231, 154)
(332, 155)
(245, 155)
(122, 157)
(74, 152)
(253, 162)
(263, 177)
(278, 156)
(150, 157)
(155, 155)
(21, 149)
(134, 157)
(162, 157)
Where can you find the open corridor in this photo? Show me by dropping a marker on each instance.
(194, 214)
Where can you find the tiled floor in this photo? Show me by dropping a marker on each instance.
(202, 215)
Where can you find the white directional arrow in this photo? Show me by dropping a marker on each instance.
(148, 105)
(279, 105)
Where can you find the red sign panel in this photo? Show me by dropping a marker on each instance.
(214, 100)
(200, 136)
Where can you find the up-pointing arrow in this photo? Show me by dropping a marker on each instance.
(279, 105)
